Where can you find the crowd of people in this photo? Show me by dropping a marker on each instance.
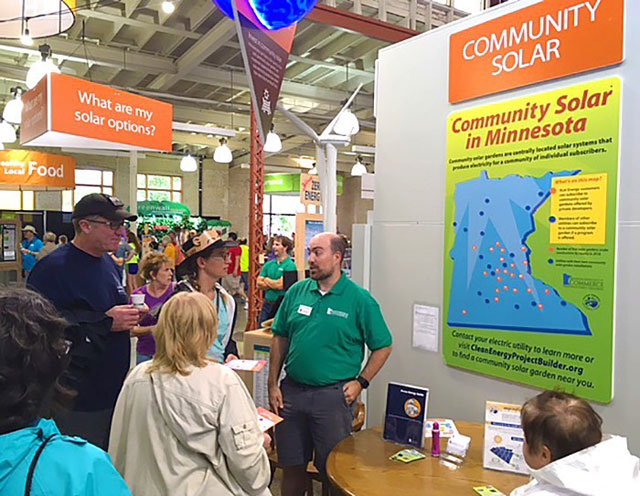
(181, 423)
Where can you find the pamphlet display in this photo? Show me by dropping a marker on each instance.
(530, 238)
(503, 438)
(406, 415)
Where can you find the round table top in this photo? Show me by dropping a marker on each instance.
(359, 465)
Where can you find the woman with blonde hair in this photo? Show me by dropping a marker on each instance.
(183, 424)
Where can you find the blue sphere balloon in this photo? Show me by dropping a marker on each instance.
(273, 14)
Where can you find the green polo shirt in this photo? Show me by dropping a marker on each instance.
(275, 270)
(327, 333)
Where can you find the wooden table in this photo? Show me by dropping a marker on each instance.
(360, 466)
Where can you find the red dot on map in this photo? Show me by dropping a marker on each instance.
(505, 271)
(502, 250)
(540, 306)
(474, 248)
(524, 248)
(506, 288)
(497, 290)
(512, 275)
(496, 299)
(491, 248)
(521, 276)
(485, 273)
(529, 290)
(512, 265)
(497, 243)
(498, 278)
(546, 291)
(525, 263)
(464, 312)
(502, 259)
(515, 290)
(551, 249)
(552, 191)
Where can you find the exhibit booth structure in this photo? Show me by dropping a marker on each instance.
(507, 216)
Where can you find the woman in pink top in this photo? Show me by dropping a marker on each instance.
(156, 269)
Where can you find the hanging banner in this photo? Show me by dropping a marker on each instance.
(265, 54)
(548, 40)
(66, 111)
(25, 169)
(310, 190)
(530, 237)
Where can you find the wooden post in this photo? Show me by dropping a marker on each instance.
(256, 237)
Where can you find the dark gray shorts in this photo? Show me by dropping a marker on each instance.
(315, 420)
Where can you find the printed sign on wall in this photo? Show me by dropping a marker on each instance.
(67, 111)
(310, 190)
(548, 40)
(35, 169)
(530, 238)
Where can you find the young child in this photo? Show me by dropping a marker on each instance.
(567, 453)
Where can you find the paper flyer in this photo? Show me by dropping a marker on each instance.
(267, 419)
(447, 427)
(503, 438)
(247, 365)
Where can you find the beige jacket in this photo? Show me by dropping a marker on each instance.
(194, 435)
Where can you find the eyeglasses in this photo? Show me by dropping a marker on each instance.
(225, 257)
(113, 225)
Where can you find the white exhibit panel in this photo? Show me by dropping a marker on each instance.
(408, 237)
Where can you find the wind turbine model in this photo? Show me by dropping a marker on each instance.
(327, 157)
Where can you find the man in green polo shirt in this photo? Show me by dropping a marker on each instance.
(271, 278)
(320, 332)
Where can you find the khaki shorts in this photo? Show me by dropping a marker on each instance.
(232, 284)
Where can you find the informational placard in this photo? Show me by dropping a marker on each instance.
(530, 236)
(265, 54)
(310, 190)
(67, 111)
(9, 242)
(30, 169)
(503, 438)
(547, 40)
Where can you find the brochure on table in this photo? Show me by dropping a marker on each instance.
(404, 421)
(503, 438)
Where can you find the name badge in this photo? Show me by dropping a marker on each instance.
(304, 310)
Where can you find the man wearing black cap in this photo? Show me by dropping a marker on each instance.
(85, 285)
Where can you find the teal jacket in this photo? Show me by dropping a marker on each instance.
(68, 466)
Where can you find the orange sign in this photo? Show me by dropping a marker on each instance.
(35, 169)
(548, 40)
(310, 190)
(80, 113)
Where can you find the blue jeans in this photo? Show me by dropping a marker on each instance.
(265, 314)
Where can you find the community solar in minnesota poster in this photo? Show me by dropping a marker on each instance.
(530, 233)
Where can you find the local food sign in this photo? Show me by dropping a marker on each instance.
(548, 40)
(23, 168)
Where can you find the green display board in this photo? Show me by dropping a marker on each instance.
(289, 183)
(530, 233)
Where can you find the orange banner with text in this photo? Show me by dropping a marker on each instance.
(25, 168)
(548, 40)
(96, 111)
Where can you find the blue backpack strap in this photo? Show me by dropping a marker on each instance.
(34, 462)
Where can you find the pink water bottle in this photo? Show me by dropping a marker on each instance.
(435, 439)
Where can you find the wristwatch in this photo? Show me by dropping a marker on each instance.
(363, 382)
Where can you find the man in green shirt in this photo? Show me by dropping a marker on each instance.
(319, 335)
(271, 278)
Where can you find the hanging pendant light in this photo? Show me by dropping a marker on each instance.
(358, 168)
(44, 18)
(26, 38)
(223, 154)
(188, 164)
(7, 132)
(314, 171)
(168, 7)
(42, 67)
(273, 143)
(13, 109)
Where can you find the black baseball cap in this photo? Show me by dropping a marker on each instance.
(103, 205)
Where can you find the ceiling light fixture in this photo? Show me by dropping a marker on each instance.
(314, 171)
(188, 164)
(358, 168)
(26, 38)
(273, 143)
(13, 109)
(223, 154)
(7, 132)
(42, 67)
(168, 7)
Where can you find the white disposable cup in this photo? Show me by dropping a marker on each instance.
(137, 300)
